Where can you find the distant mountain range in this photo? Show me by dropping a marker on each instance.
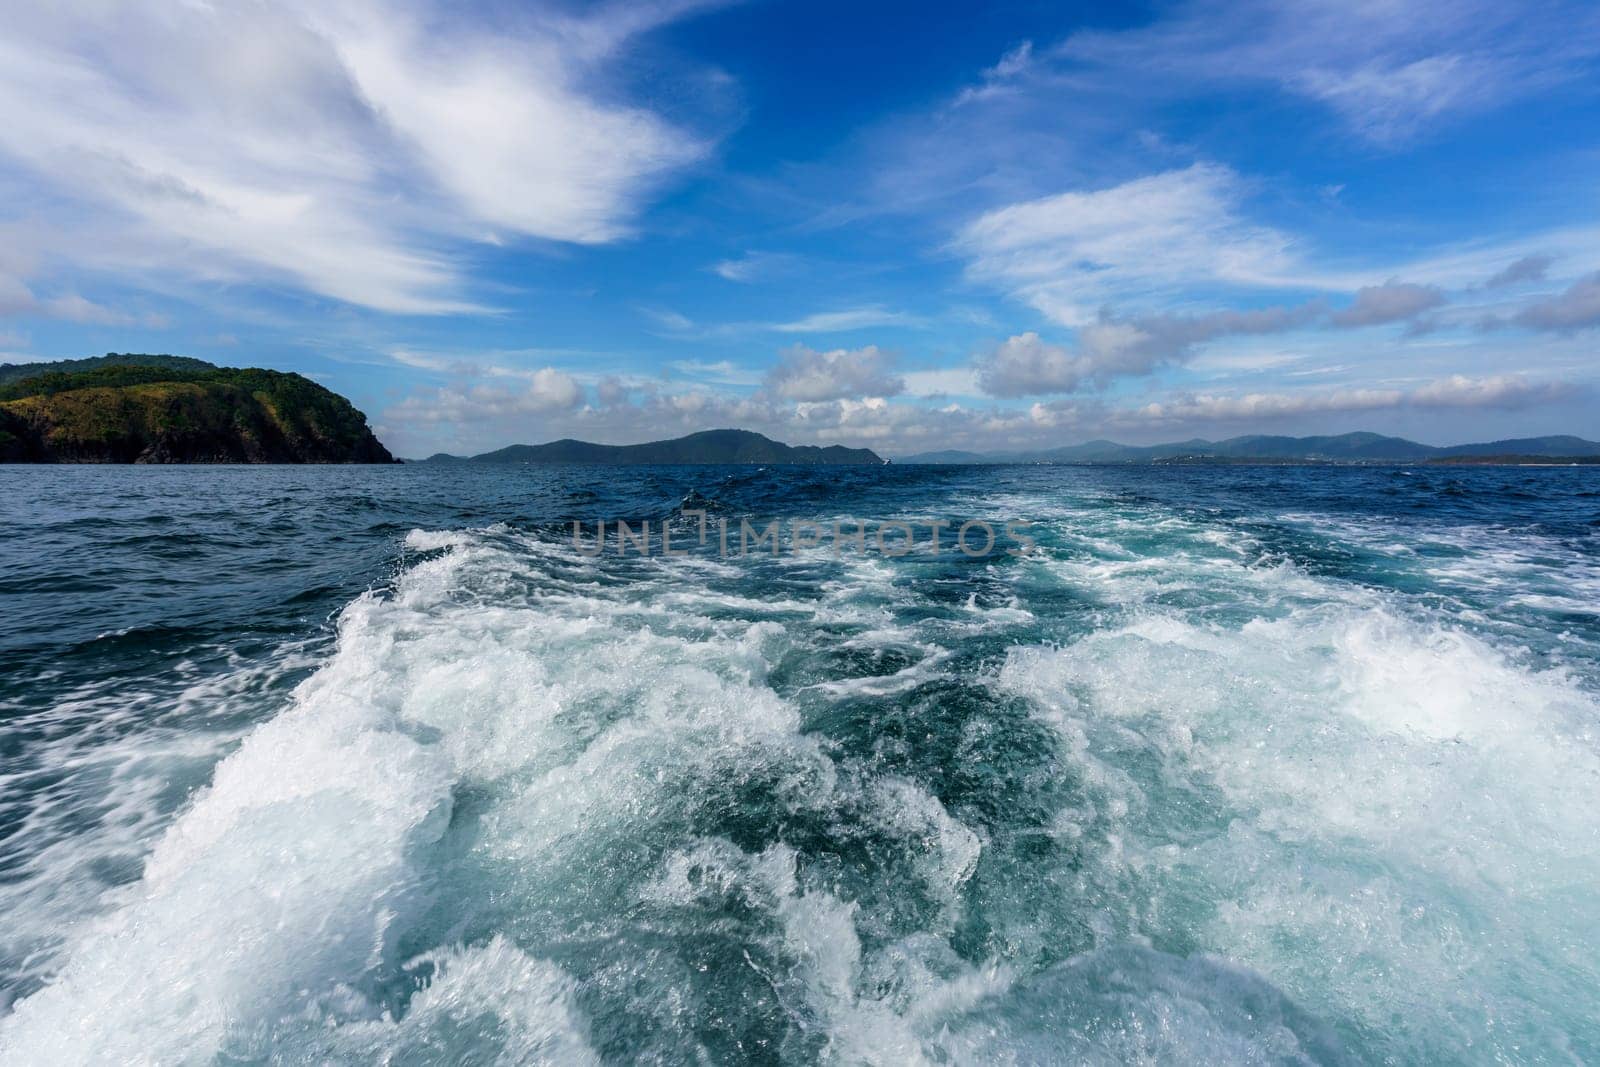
(706, 447)
(1341, 448)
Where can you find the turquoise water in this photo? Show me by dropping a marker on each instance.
(1264, 765)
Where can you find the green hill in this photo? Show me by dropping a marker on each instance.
(171, 409)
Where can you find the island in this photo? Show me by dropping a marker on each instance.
(133, 408)
(706, 447)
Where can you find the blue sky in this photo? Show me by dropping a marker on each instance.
(903, 226)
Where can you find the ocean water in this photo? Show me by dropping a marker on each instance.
(1244, 765)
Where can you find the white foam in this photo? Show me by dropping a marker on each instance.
(276, 905)
(1362, 756)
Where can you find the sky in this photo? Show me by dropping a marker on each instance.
(905, 226)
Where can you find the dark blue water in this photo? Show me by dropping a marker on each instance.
(1236, 764)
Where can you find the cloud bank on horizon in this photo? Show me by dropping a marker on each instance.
(983, 229)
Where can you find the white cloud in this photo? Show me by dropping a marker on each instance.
(722, 372)
(342, 149)
(545, 391)
(948, 381)
(1227, 362)
(752, 266)
(1390, 100)
(74, 308)
(1507, 392)
(995, 78)
(1069, 254)
(668, 319)
(1012, 63)
(849, 319)
(809, 375)
(502, 125)
(842, 321)
(1027, 365)
(16, 298)
(1257, 406)
(1389, 71)
(426, 360)
(1500, 392)
(1162, 239)
(1112, 347)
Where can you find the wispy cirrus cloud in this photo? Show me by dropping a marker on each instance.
(17, 298)
(1388, 71)
(1069, 254)
(859, 318)
(354, 151)
(753, 267)
(999, 78)
(719, 372)
(844, 320)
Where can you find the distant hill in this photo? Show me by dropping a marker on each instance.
(950, 456)
(171, 409)
(1558, 446)
(1340, 448)
(706, 447)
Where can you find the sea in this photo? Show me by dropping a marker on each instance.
(1224, 764)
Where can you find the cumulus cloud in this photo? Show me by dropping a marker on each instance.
(1577, 308)
(611, 391)
(1527, 269)
(1028, 365)
(1393, 301)
(543, 392)
(809, 375)
(344, 149)
(1071, 253)
(1112, 347)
